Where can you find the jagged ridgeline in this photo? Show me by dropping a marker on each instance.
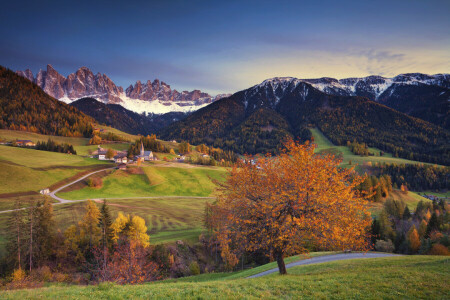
(24, 106)
(116, 116)
(259, 118)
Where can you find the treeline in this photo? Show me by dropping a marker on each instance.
(359, 148)
(52, 146)
(417, 177)
(376, 188)
(24, 106)
(425, 231)
(150, 143)
(99, 138)
(97, 248)
(218, 154)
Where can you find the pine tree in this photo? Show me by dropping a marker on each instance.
(16, 231)
(433, 224)
(105, 222)
(45, 231)
(406, 213)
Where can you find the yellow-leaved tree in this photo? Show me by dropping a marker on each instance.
(280, 205)
(132, 227)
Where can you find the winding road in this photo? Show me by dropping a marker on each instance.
(63, 201)
(323, 259)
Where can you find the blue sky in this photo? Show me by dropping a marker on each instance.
(225, 46)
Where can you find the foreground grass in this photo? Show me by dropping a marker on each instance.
(156, 181)
(378, 278)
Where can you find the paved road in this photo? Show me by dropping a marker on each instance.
(61, 200)
(326, 258)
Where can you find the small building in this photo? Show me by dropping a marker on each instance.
(144, 155)
(44, 191)
(101, 155)
(122, 166)
(25, 143)
(120, 158)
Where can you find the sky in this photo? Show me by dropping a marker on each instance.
(226, 46)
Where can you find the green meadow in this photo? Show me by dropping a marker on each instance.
(24, 170)
(155, 181)
(404, 277)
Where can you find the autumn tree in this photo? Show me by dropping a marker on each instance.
(280, 205)
(110, 153)
(413, 239)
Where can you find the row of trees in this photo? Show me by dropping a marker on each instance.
(52, 146)
(376, 188)
(150, 143)
(97, 246)
(359, 148)
(418, 177)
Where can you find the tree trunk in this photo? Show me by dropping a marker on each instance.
(280, 262)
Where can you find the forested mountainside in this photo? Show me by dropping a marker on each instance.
(25, 106)
(257, 119)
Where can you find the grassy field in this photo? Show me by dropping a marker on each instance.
(25, 170)
(323, 143)
(404, 277)
(156, 180)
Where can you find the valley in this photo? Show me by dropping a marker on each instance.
(105, 176)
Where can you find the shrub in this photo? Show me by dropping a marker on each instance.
(439, 249)
(18, 275)
(95, 182)
(194, 268)
(384, 246)
(43, 273)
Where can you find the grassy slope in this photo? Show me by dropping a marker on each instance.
(24, 170)
(157, 181)
(378, 278)
(80, 144)
(324, 143)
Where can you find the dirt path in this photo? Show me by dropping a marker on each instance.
(326, 258)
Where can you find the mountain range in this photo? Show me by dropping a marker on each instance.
(395, 114)
(419, 95)
(255, 120)
(150, 97)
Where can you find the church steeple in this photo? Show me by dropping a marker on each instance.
(142, 149)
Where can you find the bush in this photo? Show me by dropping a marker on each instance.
(43, 273)
(18, 275)
(194, 268)
(439, 249)
(95, 182)
(384, 246)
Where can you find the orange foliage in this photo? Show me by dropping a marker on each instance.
(282, 204)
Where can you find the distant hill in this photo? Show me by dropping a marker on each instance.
(25, 106)
(257, 119)
(116, 116)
